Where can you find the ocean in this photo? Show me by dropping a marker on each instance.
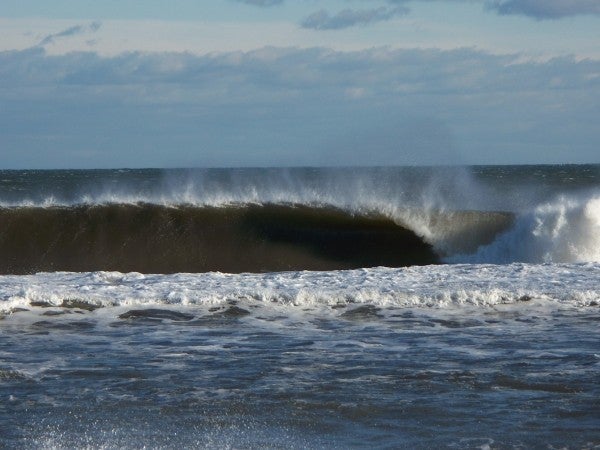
(399, 307)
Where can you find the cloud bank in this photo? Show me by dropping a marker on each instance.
(288, 106)
(261, 2)
(545, 9)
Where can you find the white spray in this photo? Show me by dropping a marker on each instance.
(564, 230)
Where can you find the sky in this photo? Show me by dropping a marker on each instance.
(238, 83)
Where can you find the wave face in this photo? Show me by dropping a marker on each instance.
(256, 220)
(158, 239)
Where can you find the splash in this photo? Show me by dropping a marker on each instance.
(566, 230)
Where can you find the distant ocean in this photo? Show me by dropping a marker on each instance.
(406, 307)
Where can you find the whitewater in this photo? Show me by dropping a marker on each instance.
(419, 307)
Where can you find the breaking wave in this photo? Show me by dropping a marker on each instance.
(257, 220)
(564, 230)
(238, 238)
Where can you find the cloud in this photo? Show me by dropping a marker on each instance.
(545, 9)
(261, 3)
(283, 73)
(72, 31)
(538, 9)
(322, 20)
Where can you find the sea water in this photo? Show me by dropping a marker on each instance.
(484, 334)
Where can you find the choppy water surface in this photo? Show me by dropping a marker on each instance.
(435, 356)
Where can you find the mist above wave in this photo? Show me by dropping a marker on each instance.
(350, 188)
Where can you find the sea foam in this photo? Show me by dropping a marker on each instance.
(442, 286)
(566, 229)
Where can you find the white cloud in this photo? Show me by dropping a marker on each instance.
(118, 36)
(539, 9)
(287, 106)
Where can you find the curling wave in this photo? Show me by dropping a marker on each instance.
(256, 220)
(152, 238)
(244, 238)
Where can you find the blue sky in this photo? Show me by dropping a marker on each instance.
(132, 83)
